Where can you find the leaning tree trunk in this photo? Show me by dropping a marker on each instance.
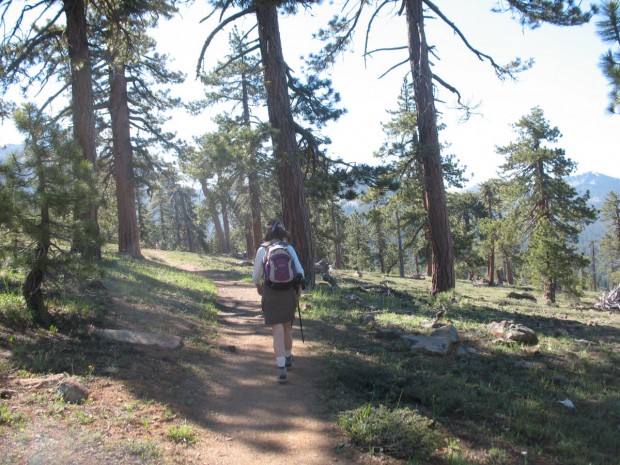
(295, 210)
(128, 237)
(215, 216)
(429, 152)
(82, 106)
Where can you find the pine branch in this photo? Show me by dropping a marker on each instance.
(219, 27)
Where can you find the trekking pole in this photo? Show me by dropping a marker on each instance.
(301, 327)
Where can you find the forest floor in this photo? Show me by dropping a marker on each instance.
(358, 392)
(221, 402)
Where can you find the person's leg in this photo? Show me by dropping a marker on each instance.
(288, 337)
(279, 345)
(288, 344)
(280, 351)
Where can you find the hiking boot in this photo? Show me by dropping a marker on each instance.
(282, 375)
(289, 362)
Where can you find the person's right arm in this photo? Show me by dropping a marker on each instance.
(257, 272)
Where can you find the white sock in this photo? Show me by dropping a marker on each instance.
(281, 362)
(288, 353)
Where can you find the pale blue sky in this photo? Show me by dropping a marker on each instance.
(565, 82)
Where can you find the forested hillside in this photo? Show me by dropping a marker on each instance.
(109, 218)
(99, 165)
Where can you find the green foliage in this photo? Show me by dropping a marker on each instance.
(610, 243)
(551, 262)
(506, 393)
(399, 432)
(607, 29)
(357, 247)
(545, 208)
(182, 434)
(41, 189)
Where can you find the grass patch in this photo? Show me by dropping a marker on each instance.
(503, 397)
(400, 432)
(182, 434)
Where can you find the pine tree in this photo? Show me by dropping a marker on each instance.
(37, 58)
(339, 35)
(610, 243)
(547, 209)
(608, 30)
(42, 188)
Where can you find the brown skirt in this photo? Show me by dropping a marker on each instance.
(278, 306)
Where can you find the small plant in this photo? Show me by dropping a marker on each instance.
(8, 418)
(146, 450)
(401, 432)
(183, 434)
(83, 418)
(5, 415)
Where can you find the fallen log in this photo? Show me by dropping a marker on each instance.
(384, 289)
(610, 301)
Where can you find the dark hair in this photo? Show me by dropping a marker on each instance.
(275, 230)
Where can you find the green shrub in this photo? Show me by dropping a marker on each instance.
(401, 432)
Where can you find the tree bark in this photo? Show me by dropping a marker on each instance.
(215, 217)
(401, 252)
(82, 106)
(250, 249)
(295, 210)
(253, 184)
(128, 237)
(32, 289)
(255, 208)
(443, 276)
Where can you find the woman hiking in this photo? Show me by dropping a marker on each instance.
(278, 274)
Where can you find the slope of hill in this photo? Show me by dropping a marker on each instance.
(599, 185)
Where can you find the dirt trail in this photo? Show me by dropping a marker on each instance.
(253, 419)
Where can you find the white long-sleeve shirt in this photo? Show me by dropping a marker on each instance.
(257, 273)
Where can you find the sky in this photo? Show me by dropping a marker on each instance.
(565, 82)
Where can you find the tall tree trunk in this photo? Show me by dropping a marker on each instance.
(128, 237)
(162, 244)
(82, 106)
(401, 252)
(255, 208)
(253, 184)
(429, 152)
(491, 260)
(338, 252)
(550, 290)
(295, 210)
(186, 210)
(226, 224)
(250, 249)
(32, 288)
(491, 267)
(508, 268)
(215, 216)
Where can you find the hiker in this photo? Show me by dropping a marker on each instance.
(278, 276)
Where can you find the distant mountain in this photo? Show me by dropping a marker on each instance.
(599, 185)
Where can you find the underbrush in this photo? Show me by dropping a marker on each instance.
(491, 401)
(86, 300)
